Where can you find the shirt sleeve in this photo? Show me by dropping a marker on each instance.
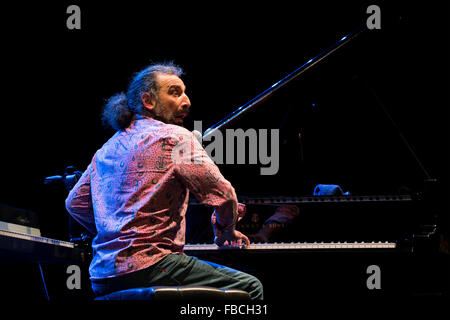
(204, 179)
(79, 202)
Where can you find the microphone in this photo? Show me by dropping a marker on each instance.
(53, 179)
(69, 179)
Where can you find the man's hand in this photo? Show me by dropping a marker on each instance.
(232, 237)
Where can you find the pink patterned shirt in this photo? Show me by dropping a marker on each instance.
(134, 195)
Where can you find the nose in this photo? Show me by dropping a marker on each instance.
(186, 103)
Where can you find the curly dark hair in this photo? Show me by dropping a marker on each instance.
(119, 109)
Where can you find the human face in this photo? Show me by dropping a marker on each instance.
(172, 104)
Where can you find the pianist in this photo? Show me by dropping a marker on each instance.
(133, 195)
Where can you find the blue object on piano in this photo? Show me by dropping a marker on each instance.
(329, 190)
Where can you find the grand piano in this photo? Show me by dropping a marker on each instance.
(334, 129)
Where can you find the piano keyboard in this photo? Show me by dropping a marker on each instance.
(318, 199)
(297, 246)
(323, 199)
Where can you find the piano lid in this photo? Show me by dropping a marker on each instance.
(338, 124)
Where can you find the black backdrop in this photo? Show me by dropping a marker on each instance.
(56, 80)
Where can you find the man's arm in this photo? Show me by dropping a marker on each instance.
(79, 202)
(223, 236)
(203, 178)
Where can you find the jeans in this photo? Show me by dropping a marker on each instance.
(182, 270)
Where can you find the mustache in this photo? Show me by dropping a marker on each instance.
(185, 112)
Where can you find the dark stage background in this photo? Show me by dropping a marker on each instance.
(354, 111)
(56, 81)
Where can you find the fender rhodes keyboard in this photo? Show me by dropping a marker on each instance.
(19, 246)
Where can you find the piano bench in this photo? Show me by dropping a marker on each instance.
(177, 293)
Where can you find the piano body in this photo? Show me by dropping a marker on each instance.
(329, 247)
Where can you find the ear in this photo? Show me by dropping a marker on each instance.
(148, 100)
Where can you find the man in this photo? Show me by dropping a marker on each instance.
(134, 194)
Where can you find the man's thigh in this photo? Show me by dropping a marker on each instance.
(183, 270)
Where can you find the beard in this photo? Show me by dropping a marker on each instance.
(161, 113)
